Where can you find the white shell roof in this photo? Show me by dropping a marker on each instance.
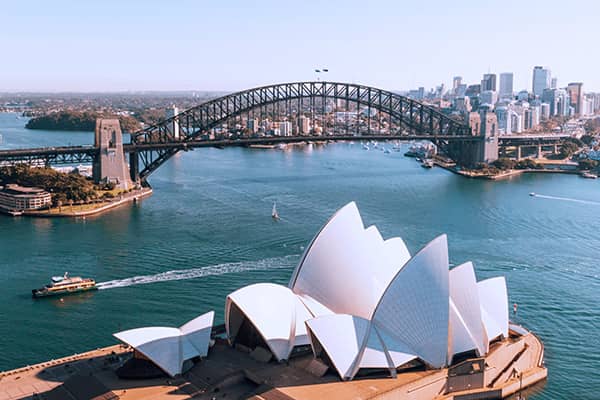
(493, 298)
(414, 308)
(276, 313)
(465, 310)
(344, 249)
(370, 305)
(167, 347)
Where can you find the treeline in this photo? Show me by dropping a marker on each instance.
(63, 187)
(78, 121)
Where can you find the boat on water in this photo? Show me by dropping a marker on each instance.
(274, 213)
(386, 151)
(427, 163)
(589, 175)
(61, 285)
(532, 194)
(365, 147)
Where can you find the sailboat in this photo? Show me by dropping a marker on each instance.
(274, 213)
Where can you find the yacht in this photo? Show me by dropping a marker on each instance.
(60, 285)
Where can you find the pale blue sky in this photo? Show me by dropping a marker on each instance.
(64, 45)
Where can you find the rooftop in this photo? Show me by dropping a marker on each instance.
(15, 189)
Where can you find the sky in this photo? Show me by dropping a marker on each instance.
(228, 45)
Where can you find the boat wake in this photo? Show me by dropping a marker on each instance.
(194, 273)
(541, 196)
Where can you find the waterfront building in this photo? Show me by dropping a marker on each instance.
(252, 125)
(303, 125)
(488, 82)
(541, 80)
(19, 198)
(506, 85)
(374, 318)
(285, 128)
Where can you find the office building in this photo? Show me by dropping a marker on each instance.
(541, 80)
(488, 82)
(506, 85)
(575, 90)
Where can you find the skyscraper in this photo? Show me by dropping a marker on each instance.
(488, 82)
(506, 84)
(541, 80)
(456, 82)
(575, 90)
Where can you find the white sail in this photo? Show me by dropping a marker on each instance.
(274, 212)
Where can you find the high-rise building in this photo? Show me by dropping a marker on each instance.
(541, 80)
(456, 82)
(488, 82)
(575, 90)
(553, 83)
(550, 97)
(506, 85)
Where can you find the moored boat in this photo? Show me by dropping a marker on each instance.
(61, 285)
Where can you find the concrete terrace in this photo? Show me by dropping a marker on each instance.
(228, 373)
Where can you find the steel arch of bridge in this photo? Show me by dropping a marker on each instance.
(415, 117)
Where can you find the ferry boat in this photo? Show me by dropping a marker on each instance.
(60, 285)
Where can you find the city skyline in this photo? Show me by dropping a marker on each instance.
(147, 46)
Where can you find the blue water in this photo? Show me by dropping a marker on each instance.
(207, 231)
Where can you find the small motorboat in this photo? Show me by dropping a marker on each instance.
(532, 194)
(427, 163)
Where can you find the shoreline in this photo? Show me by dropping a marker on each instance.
(131, 197)
(508, 173)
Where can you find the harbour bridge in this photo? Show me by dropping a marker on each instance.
(148, 149)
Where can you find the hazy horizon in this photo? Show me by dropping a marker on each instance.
(68, 46)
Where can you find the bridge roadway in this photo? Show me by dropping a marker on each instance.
(62, 155)
(85, 154)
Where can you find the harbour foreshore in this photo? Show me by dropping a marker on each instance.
(73, 211)
(511, 366)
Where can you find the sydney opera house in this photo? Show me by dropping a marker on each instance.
(361, 317)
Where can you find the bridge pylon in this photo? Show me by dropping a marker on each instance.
(110, 165)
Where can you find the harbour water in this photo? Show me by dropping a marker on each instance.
(207, 230)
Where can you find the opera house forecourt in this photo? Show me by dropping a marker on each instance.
(361, 318)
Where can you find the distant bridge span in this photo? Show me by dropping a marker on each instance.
(417, 119)
(150, 148)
